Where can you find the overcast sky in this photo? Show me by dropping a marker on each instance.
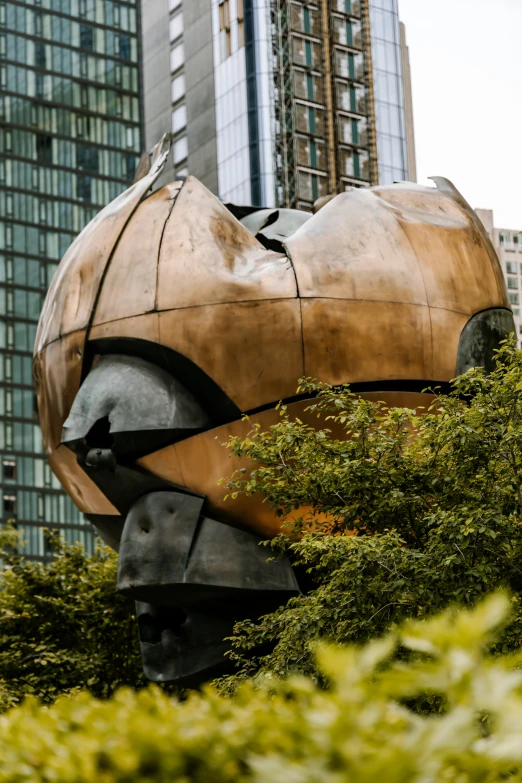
(466, 65)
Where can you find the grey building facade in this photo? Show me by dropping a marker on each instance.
(70, 138)
(279, 102)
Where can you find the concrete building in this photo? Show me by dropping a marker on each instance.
(508, 245)
(69, 142)
(279, 102)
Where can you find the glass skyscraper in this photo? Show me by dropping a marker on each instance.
(280, 102)
(70, 140)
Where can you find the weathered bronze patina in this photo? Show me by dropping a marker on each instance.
(169, 318)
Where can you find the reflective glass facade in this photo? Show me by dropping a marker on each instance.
(326, 78)
(177, 85)
(232, 121)
(392, 154)
(69, 144)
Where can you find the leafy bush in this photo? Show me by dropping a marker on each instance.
(359, 729)
(436, 501)
(63, 627)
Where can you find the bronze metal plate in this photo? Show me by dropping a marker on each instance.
(129, 287)
(208, 257)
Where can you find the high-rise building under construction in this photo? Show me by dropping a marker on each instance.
(280, 102)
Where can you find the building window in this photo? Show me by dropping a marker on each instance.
(224, 29)
(125, 47)
(176, 27)
(180, 151)
(9, 504)
(309, 86)
(39, 85)
(512, 282)
(173, 4)
(39, 54)
(312, 186)
(9, 470)
(87, 157)
(177, 57)
(348, 7)
(516, 311)
(311, 153)
(514, 298)
(86, 37)
(178, 87)
(306, 20)
(354, 163)
(309, 119)
(352, 131)
(305, 52)
(511, 267)
(179, 118)
(83, 188)
(129, 167)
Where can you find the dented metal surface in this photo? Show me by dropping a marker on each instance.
(199, 317)
(377, 286)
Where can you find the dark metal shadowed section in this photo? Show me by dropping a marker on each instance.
(192, 579)
(480, 338)
(142, 405)
(171, 556)
(212, 399)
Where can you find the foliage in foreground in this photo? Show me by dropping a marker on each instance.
(63, 627)
(436, 501)
(292, 731)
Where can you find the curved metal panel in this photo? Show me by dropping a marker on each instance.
(446, 327)
(252, 350)
(208, 257)
(354, 248)
(140, 401)
(459, 265)
(81, 489)
(57, 374)
(203, 460)
(128, 293)
(200, 462)
(356, 342)
(72, 294)
(398, 243)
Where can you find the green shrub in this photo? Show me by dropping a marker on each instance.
(436, 501)
(63, 626)
(357, 730)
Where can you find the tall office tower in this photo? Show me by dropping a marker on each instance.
(279, 102)
(508, 245)
(70, 139)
